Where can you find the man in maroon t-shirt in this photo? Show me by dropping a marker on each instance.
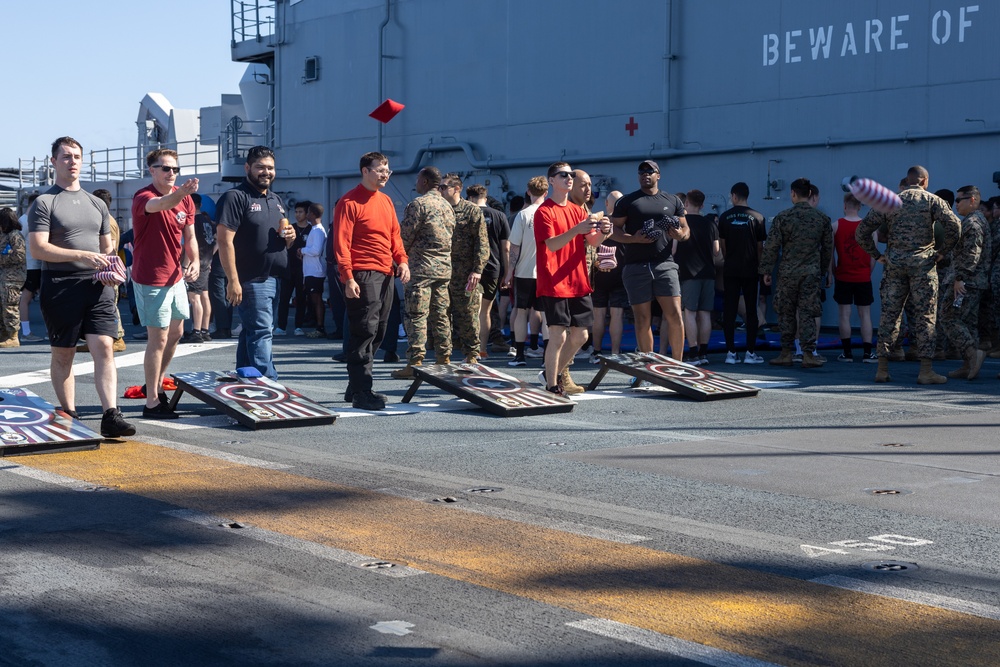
(563, 284)
(163, 215)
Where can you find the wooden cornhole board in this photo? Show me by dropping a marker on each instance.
(30, 425)
(691, 381)
(495, 392)
(256, 403)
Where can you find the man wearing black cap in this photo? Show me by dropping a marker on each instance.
(647, 222)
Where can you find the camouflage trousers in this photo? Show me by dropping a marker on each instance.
(917, 283)
(426, 305)
(946, 277)
(796, 301)
(991, 308)
(464, 313)
(960, 324)
(10, 314)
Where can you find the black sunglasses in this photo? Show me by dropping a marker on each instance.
(164, 168)
(564, 174)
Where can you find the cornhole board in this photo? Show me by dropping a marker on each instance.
(256, 403)
(691, 381)
(30, 425)
(495, 392)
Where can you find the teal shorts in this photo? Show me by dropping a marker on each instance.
(157, 306)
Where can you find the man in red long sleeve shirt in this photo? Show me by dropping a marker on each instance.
(367, 244)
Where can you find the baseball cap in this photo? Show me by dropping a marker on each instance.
(650, 164)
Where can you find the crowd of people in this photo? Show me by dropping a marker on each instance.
(568, 273)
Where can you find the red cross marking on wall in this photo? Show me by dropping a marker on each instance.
(631, 126)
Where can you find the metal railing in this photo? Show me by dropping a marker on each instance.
(251, 20)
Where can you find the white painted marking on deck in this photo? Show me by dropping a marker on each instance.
(666, 644)
(398, 628)
(918, 597)
(87, 367)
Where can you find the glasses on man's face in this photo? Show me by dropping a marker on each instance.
(444, 188)
(960, 199)
(381, 171)
(646, 172)
(165, 169)
(563, 174)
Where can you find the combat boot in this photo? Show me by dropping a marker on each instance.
(960, 373)
(974, 358)
(13, 341)
(568, 386)
(927, 374)
(783, 359)
(882, 374)
(118, 345)
(443, 360)
(810, 360)
(406, 372)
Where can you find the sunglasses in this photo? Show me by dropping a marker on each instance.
(166, 169)
(563, 174)
(647, 172)
(962, 199)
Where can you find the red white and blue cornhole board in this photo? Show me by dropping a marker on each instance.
(495, 392)
(692, 381)
(256, 403)
(31, 425)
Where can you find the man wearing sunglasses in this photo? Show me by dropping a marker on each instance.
(563, 285)
(165, 256)
(649, 269)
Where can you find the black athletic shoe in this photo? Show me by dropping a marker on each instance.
(349, 395)
(113, 424)
(368, 400)
(69, 413)
(161, 411)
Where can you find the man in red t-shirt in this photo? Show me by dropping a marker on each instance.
(163, 215)
(852, 272)
(563, 285)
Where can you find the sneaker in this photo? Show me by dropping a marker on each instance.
(518, 361)
(317, 333)
(161, 411)
(113, 424)
(752, 358)
(595, 358)
(534, 352)
(636, 383)
(557, 390)
(367, 400)
(871, 358)
(844, 358)
(511, 351)
(299, 332)
(703, 360)
(797, 358)
(205, 337)
(31, 338)
(731, 357)
(71, 414)
(278, 331)
(541, 378)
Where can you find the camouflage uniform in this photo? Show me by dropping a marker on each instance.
(910, 264)
(426, 229)
(970, 261)
(470, 250)
(13, 273)
(804, 236)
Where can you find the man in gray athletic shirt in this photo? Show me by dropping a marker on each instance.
(70, 233)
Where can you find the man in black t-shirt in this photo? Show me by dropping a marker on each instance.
(741, 237)
(498, 234)
(647, 222)
(696, 261)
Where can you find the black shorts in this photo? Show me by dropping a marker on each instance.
(33, 281)
(74, 306)
(201, 285)
(610, 298)
(489, 285)
(524, 293)
(313, 284)
(575, 311)
(860, 294)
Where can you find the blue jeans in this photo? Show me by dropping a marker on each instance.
(254, 346)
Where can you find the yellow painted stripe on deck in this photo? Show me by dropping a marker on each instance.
(769, 617)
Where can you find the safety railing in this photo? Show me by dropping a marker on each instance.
(251, 20)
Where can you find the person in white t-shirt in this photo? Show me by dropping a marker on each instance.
(521, 274)
(314, 268)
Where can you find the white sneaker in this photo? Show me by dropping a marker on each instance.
(752, 358)
(595, 358)
(299, 332)
(534, 353)
(278, 331)
(512, 352)
(731, 358)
